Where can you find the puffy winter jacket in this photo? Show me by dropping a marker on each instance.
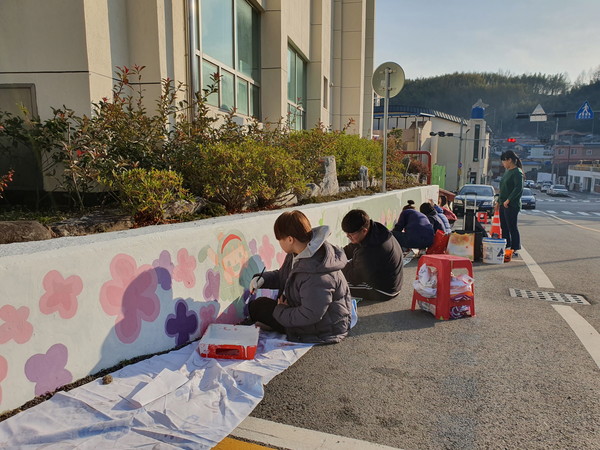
(317, 294)
(376, 261)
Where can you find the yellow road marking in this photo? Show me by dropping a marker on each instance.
(234, 444)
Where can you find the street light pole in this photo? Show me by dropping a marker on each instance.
(386, 103)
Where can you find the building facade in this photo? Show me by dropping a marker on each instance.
(309, 60)
(460, 146)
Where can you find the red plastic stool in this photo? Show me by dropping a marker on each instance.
(482, 217)
(444, 265)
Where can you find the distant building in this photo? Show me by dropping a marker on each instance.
(461, 147)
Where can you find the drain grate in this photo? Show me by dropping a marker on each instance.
(549, 296)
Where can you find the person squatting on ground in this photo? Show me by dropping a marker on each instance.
(509, 199)
(435, 220)
(442, 216)
(374, 269)
(443, 201)
(413, 229)
(314, 302)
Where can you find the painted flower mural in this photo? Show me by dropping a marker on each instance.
(47, 370)
(15, 324)
(61, 294)
(182, 324)
(164, 269)
(131, 296)
(184, 270)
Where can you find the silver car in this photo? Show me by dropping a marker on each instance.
(558, 190)
(527, 199)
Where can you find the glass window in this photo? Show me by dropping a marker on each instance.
(242, 97)
(230, 45)
(255, 101)
(208, 70)
(248, 33)
(291, 75)
(226, 88)
(217, 30)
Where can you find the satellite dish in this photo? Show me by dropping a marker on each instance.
(396, 79)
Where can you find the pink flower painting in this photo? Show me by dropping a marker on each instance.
(47, 370)
(184, 270)
(61, 294)
(15, 324)
(266, 251)
(131, 296)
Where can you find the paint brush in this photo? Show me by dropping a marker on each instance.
(259, 277)
(251, 292)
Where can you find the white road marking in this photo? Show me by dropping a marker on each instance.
(567, 212)
(539, 276)
(598, 214)
(586, 333)
(293, 438)
(552, 212)
(582, 213)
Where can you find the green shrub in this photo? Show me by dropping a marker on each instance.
(351, 151)
(242, 174)
(146, 193)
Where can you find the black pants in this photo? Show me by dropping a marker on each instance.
(510, 231)
(261, 310)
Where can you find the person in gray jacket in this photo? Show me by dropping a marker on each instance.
(314, 302)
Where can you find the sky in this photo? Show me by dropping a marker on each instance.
(437, 37)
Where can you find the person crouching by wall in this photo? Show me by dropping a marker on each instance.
(413, 229)
(434, 218)
(314, 302)
(374, 269)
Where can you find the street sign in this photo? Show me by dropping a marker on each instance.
(396, 79)
(585, 112)
(538, 114)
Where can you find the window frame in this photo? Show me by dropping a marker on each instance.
(297, 109)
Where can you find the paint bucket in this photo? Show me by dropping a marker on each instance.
(493, 250)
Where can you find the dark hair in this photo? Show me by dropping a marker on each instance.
(294, 224)
(509, 154)
(443, 200)
(355, 220)
(426, 208)
(409, 205)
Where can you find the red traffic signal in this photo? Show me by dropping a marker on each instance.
(511, 140)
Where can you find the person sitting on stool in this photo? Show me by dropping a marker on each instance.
(374, 269)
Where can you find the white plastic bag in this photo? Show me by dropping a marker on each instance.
(426, 282)
(461, 284)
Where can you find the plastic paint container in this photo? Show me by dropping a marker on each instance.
(493, 250)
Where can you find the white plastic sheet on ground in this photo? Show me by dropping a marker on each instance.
(218, 395)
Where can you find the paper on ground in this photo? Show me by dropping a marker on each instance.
(216, 396)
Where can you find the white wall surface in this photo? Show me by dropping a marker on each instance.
(73, 306)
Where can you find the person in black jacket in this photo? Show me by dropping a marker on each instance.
(374, 269)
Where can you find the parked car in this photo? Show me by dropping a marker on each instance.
(528, 199)
(558, 190)
(483, 194)
(529, 183)
(545, 187)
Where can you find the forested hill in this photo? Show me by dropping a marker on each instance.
(506, 95)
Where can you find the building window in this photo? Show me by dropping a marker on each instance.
(296, 90)
(573, 151)
(325, 93)
(229, 46)
(476, 143)
(561, 151)
(588, 151)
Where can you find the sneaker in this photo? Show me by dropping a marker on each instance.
(515, 254)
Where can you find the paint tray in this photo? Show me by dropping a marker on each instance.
(229, 341)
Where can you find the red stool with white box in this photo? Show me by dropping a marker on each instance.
(442, 303)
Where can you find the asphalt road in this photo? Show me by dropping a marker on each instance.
(514, 376)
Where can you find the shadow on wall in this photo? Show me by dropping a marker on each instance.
(145, 294)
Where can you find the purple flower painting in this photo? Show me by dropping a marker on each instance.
(181, 325)
(61, 294)
(47, 370)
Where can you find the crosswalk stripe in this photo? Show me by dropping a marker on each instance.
(567, 212)
(552, 212)
(598, 214)
(582, 213)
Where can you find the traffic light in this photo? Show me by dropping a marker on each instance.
(511, 140)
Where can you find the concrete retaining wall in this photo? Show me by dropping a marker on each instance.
(72, 306)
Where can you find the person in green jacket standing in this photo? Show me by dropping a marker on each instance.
(509, 199)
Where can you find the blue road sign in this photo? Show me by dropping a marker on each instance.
(585, 112)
